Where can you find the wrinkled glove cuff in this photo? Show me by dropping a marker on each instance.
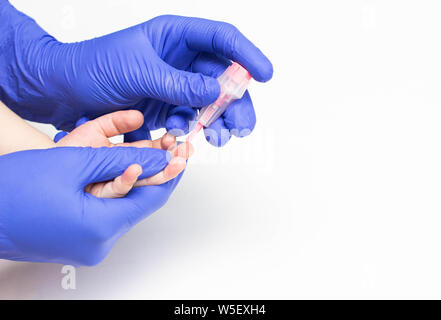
(10, 21)
(24, 48)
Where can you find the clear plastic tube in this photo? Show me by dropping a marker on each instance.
(233, 82)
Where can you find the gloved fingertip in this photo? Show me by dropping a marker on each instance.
(265, 72)
(218, 140)
(217, 134)
(177, 126)
(253, 59)
(60, 135)
(241, 133)
(240, 117)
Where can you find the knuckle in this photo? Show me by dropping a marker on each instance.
(161, 18)
(228, 27)
(165, 20)
(230, 34)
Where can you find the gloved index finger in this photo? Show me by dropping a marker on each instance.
(226, 40)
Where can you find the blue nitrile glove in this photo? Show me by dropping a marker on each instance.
(45, 215)
(159, 67)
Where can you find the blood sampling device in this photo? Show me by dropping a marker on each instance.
(233, 82)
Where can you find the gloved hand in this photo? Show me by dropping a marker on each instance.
(46, 216)
(161, 67)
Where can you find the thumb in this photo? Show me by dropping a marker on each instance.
(104, 164)
(183, 88)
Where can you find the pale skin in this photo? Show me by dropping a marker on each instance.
(18, 135)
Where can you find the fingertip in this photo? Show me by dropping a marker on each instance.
(240, 117)
(130, 175)
(177, 126)
(224, 39)
(133, 118)
(137, 114)
(175, 167)
(253, 59)
(181, 163)
(261, 69)
(178, 120)
(265, 71)
(241, 133)
(168, 141)
(178, 161)
(136, 170)
(217, 134)
(184, 150)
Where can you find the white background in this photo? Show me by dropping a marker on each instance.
(335, 195)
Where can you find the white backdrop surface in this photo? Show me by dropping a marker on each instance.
(335, 195)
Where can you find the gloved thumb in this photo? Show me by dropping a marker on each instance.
(183, 88)
(104, 164)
